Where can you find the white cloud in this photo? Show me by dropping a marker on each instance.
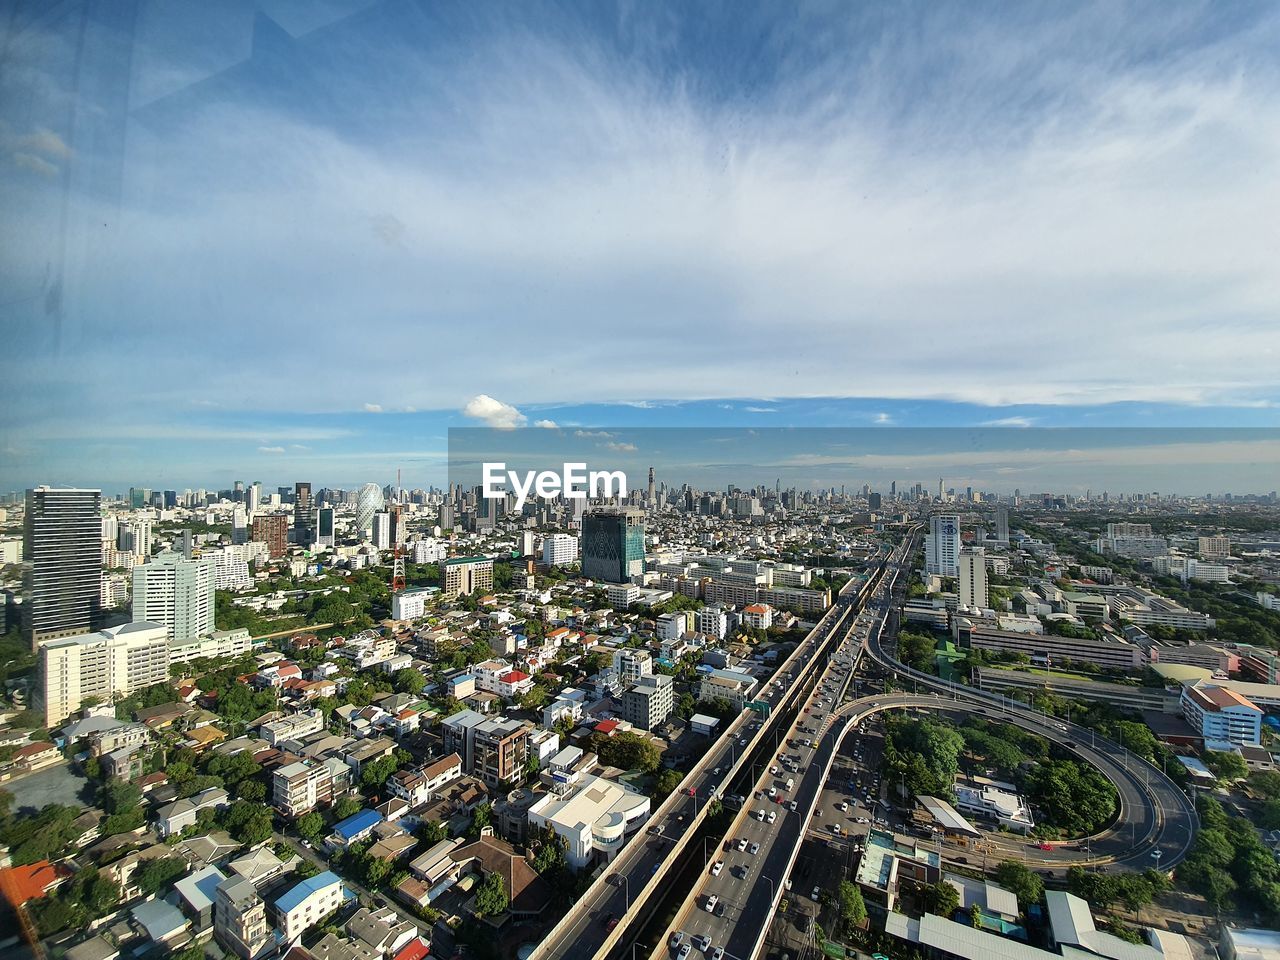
(618, 447)
(760, 409)
(882, 418)
(271, 449)
(592, 434)
(493, 413)
(546, 424)
(373, 408)
(1010, 422)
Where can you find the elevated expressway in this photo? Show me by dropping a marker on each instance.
(623, 892)
(1154, 815)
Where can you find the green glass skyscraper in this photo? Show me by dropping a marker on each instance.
(613, 545)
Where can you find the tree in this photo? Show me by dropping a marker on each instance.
(253, 790)
(124, 822)
(432, 832)
(628, 751)
(491, 896)
(481, 817)
(1226, 766)
(550, 860)
(347, 806)
(1021, 881)
(940, 898)
(1266, 783)
(310, 826)
(853, 910)
(154, 875)
(409, 680)
(665, 782)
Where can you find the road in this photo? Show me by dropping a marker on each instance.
(585, 931)
(1154, 814)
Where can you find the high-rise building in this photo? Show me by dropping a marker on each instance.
(612, 545)
(324, 527)
(134, 536)
(302, 513)
(273, 530)
(176, 593)
(942, 546)
(873, 501)
(381, 531)
(650, 702)
(466, 575)
(62, 550)
(369, 502)
(110, 663)
(559, 548)
(650, 499)
(972, 587)
(1002, 524)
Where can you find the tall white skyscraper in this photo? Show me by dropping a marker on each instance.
(972, 587)
(942, 547)
(369, 502)
(176, 593)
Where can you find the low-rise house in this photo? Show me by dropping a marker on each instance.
(355, 828)
(177, 816)
(530, 894)
(240, 920)
(163, 925)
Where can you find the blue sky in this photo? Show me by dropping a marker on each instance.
(245, 227)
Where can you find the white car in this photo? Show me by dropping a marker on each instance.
(760, 815)
(755, 848)
(774, 770)
(717, 867)
(844, 806)
(685, 950)
(816, 894)
(773, 815)
(711, 903)
(742, 845)
(792, 806)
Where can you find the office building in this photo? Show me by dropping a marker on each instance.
(613, 545)
(324, 527)
(381, 530)
(176, 593)
(942, 546)
(559, 549)
(368, 503)
(302, 531)
(466, 575)
(972, 584)
(411, 603)
(62, 550)
(111, 663)
(593, 815)
(1002, 524)
(1223, 717)
(134, 537)
(649, 703)
(1214, 548)
(273, 530)
(493, 750)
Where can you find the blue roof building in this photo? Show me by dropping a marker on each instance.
(355, 828)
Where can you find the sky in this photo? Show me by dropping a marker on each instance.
(288, 240)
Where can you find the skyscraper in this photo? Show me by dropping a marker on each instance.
(176, 593)
(324, 527)
(612, 545)
(972, 588)
(1002, 523)
(369, 502)
(651, 501)
(942, 547)
(62, 549)
(273, 530)
(302, 513)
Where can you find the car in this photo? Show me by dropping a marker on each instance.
(844, 806)
(717, 953)
(1046, 846)
(685, 950)
(676, 938)
(715, 772)
(863, 820)
(774, 770)
(793, 806)
(816, 893)
(742, 845)
(787, 883)
(610, 922)
(755, 848)
(717, 867)
(719, 911)
(773, 793)
(711, 903)
(773, 815)
(701, 942)
(760, 815)
(817, 812)
(835, 828)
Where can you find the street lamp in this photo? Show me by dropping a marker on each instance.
(626, 881)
